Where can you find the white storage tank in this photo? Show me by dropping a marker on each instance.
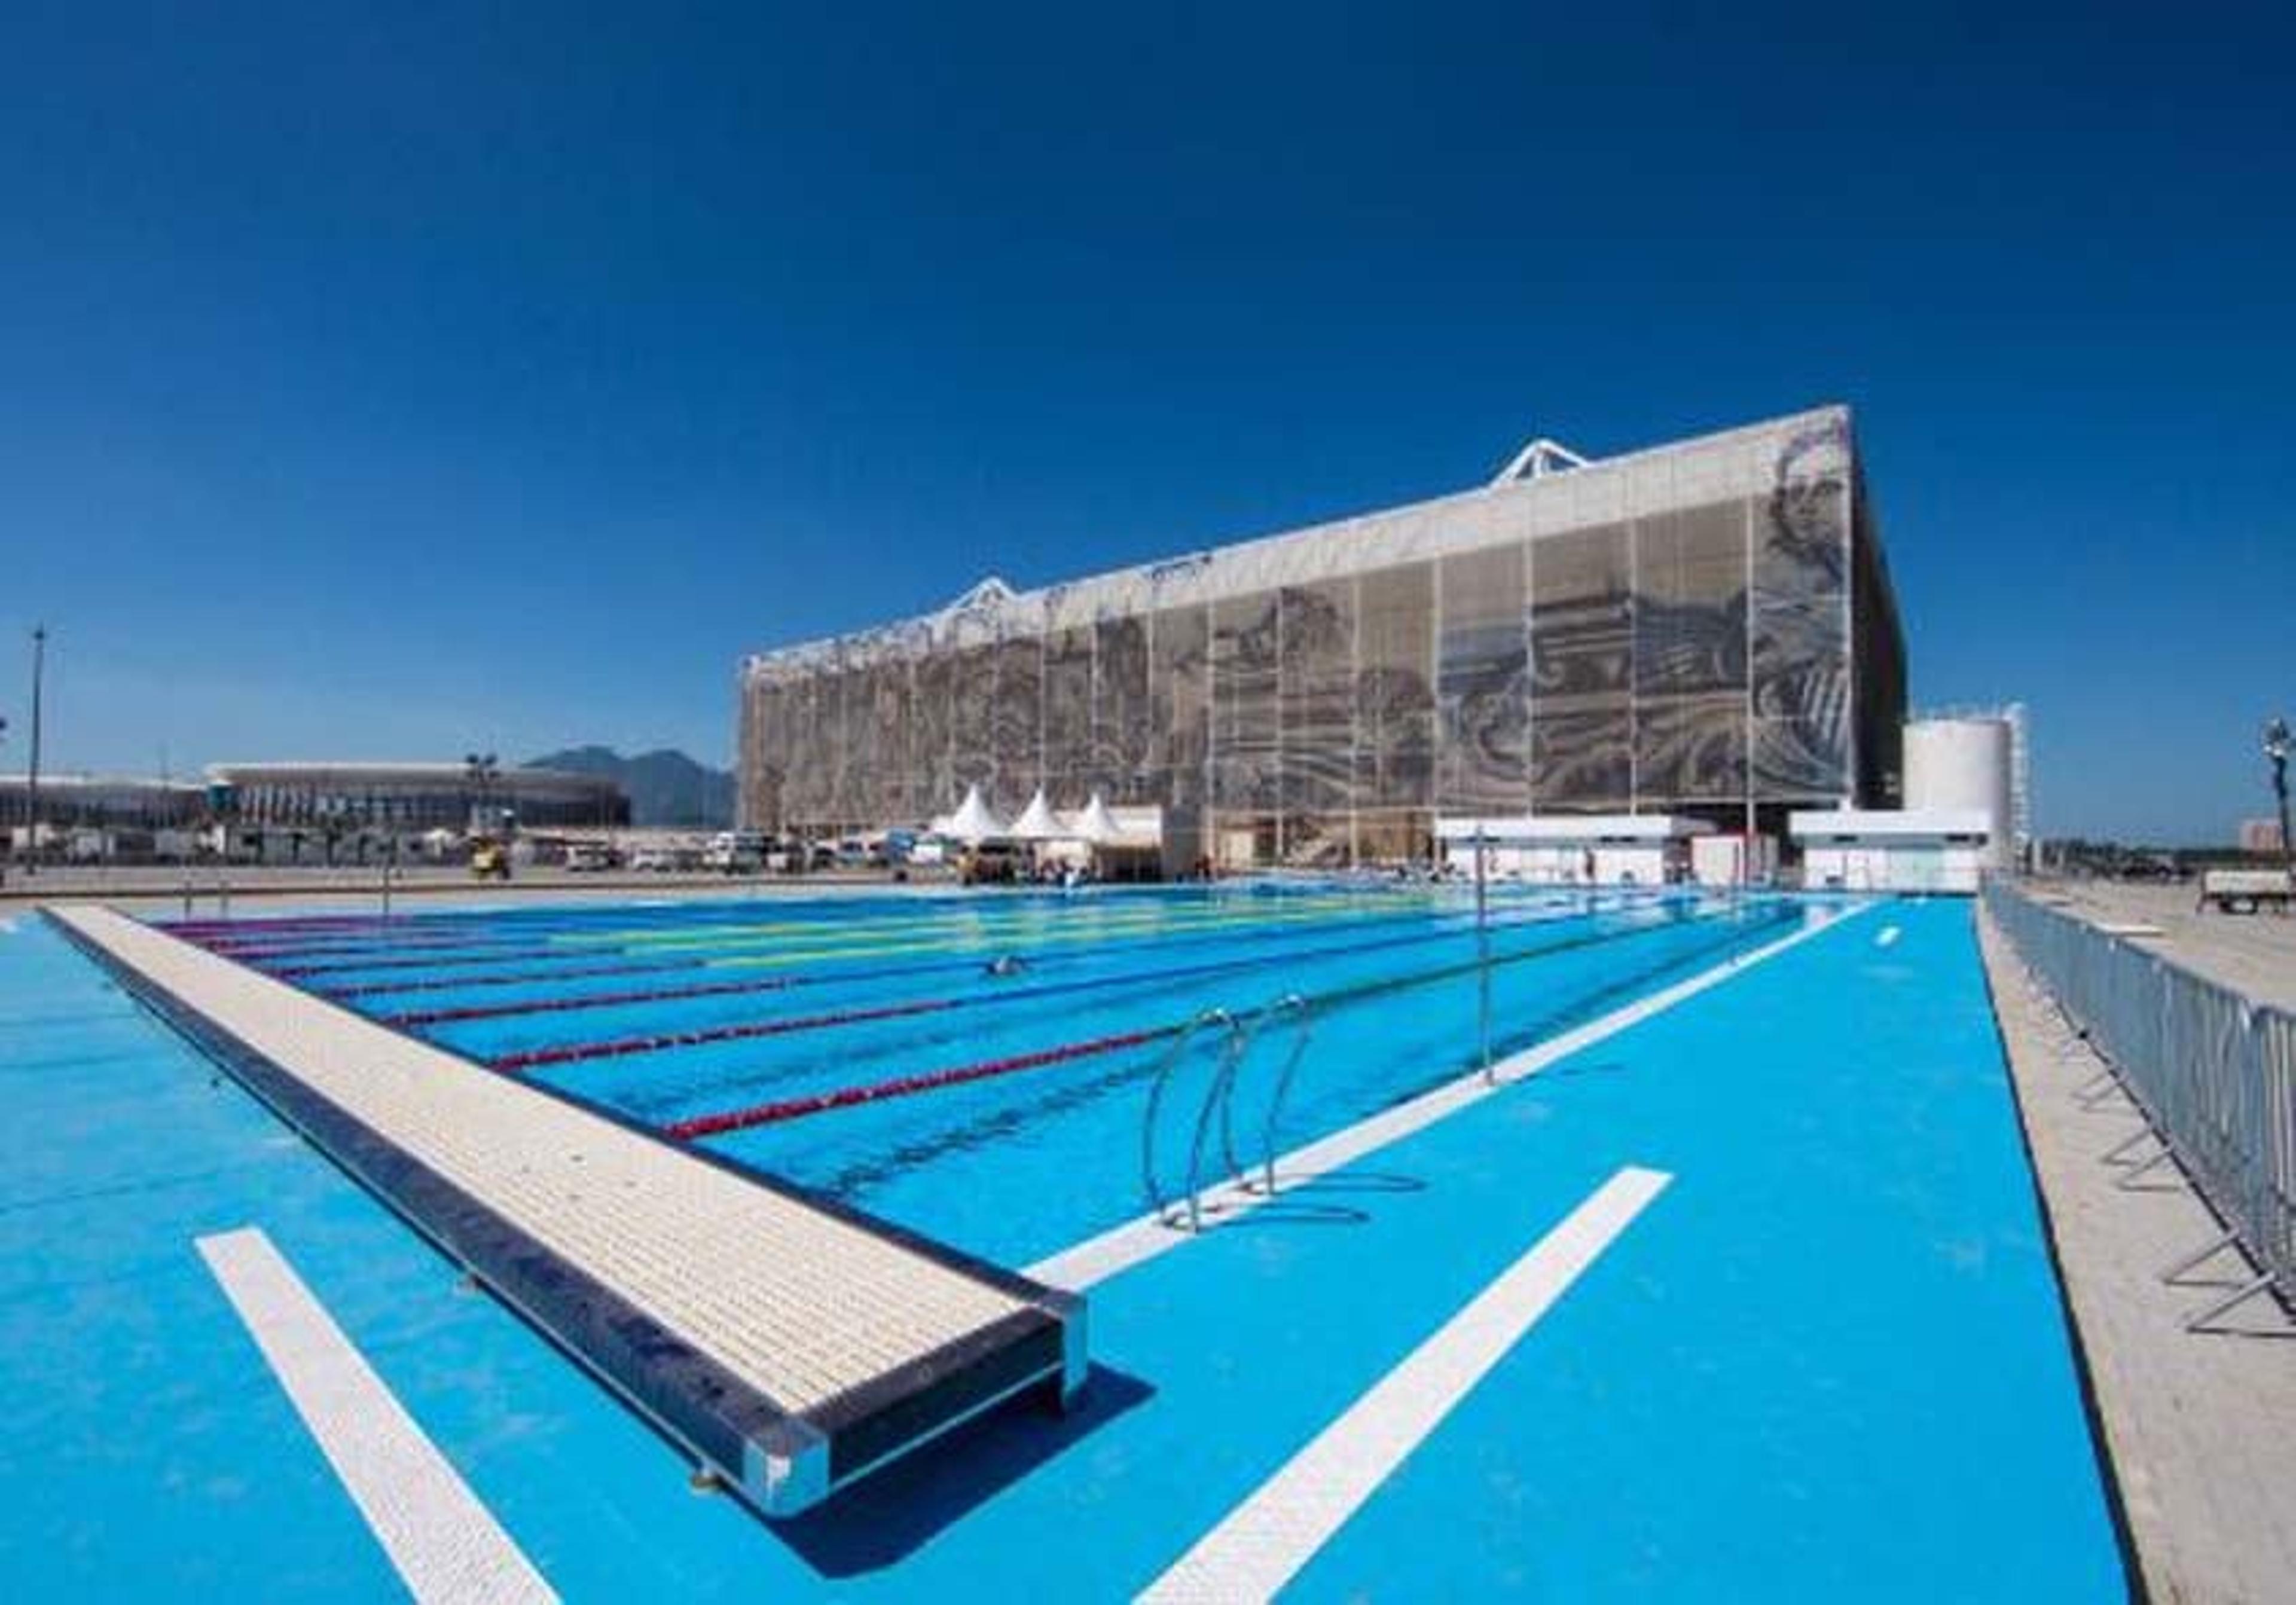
(1966, 762)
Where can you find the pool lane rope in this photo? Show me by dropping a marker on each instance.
(782, 1109)
(1186, 935)
(1191, 937)
(517, 978)
(750, 1030)
(904, 1087)
(737, 952)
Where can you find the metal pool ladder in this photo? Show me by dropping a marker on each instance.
(1216, 1112)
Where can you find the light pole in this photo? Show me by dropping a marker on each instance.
(1482, 950)
(32, 774)
(479, 768)
(2277, 744)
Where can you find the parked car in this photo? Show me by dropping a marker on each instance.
(589, 857)
(735, 853)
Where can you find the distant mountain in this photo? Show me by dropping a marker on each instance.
(665, 788)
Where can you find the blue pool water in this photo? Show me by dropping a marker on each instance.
(1019, 1162)
(1828, 1361)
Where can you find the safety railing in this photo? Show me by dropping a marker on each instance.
(2212, 1073)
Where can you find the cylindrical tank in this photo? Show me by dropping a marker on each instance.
(1965, 762)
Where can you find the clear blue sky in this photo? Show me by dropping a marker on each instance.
(391, 380)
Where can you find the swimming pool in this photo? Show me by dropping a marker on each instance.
(1827, 1357)
(1007, 1073)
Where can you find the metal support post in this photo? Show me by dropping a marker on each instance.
(1482, 956)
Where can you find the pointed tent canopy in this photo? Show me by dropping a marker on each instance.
(972, 822)
(1098, 826)
(1037, 822)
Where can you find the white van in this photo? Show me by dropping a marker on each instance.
(735, 853)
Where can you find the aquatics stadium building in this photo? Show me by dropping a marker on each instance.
(1704, 629)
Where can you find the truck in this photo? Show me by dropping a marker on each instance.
(2247, 891)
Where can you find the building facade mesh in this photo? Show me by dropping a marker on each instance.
(1705, 628)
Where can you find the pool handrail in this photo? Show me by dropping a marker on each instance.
(1165, 1068)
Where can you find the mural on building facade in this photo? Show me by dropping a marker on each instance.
(1699, 656)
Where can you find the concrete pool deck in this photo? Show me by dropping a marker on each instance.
(2254, 954)
(2197, 1424)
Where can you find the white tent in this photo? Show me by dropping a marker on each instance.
(1098, 826)
(972, 822)
(1037, 822)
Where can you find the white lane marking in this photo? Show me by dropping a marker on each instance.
(445, 1544)
(1136, 1241)
(1260, 1546)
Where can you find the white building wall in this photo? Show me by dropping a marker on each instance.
(1733, 860)
(1636, 863)
(1893, 866)
(1966, 763)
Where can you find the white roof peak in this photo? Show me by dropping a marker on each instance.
(989, 593)
(1539, 459)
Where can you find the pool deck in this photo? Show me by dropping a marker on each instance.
(790, 1346)
(2254, 954)
(1489, 1356)
(2197, 1423)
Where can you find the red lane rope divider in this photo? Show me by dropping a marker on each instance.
(622, 1047)
(590, 1000)
(519, 978)
(462, 1013)
(429, 946)
(572, 1053)
(427, 962)
(903, 1086)
(791, 1108)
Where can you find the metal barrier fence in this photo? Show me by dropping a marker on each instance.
(2213, 1074)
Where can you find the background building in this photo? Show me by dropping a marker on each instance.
(97, 817)
(332, 812)
(1705, 630)
(418, 796)
(298, 812)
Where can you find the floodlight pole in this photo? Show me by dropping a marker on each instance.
(32, 771)
(1483, 955)
(2277, 743)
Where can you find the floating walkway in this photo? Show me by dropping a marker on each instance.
(790, 1345)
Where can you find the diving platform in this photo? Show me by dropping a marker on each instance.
(788, 1344)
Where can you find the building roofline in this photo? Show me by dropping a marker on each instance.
(993, 598)
(275, 770)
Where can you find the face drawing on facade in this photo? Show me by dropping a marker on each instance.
(1808, 506)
